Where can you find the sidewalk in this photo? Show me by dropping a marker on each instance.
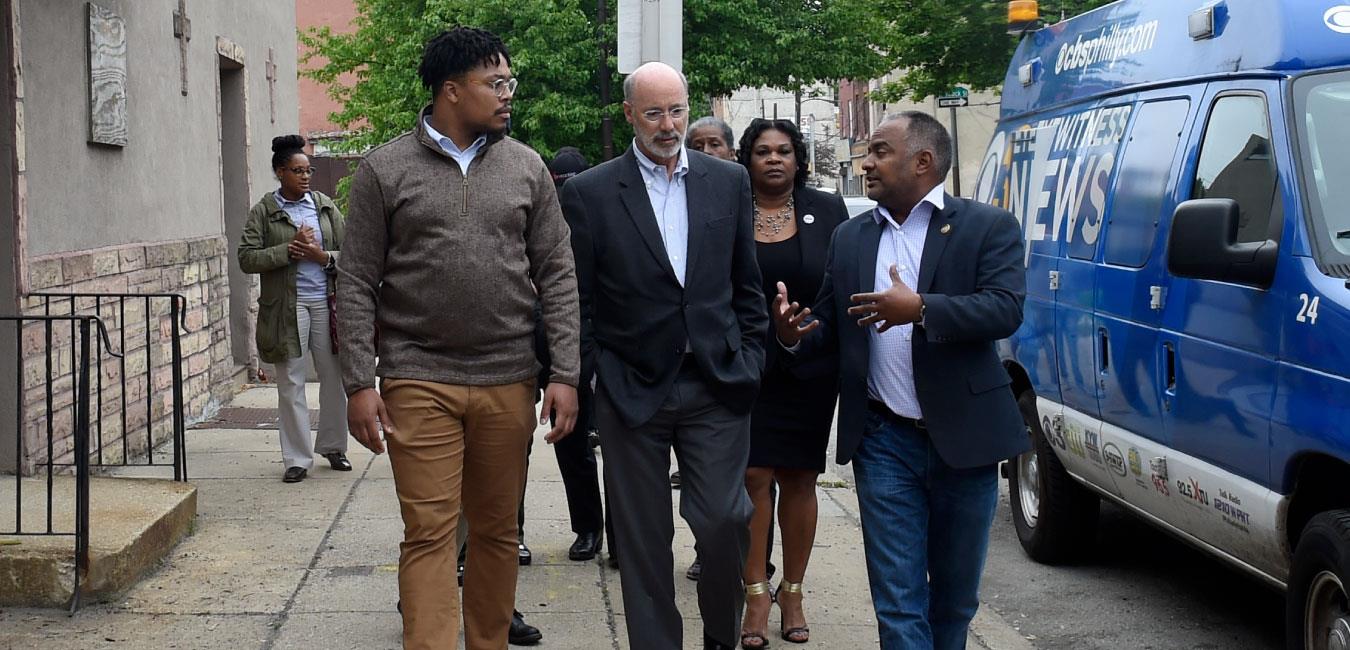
(314, 564)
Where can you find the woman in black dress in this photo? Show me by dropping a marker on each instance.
(790, 423)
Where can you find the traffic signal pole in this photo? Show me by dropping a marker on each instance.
(956, 156)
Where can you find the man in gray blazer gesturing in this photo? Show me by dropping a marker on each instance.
(673, 322)
(915, 294)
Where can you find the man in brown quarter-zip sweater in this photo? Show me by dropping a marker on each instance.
(454, 233)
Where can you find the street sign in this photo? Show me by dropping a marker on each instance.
(959, 92)
(953, 101)
(650, 30)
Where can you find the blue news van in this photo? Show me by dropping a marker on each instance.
(1181, 170)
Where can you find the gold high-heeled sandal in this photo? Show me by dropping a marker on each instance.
(800, 634)
(755, 640)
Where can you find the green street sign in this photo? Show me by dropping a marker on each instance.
(959, 92)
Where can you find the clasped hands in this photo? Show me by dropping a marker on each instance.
(898, 305)
(304, 246)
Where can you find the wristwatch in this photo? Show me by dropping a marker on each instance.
(332, 264)
(923, 310)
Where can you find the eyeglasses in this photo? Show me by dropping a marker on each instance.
(500, 86)
(655, 115)
(301, 171)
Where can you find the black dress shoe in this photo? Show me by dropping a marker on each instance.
(522, 633)
(695, 570)
(294, 475)
(524, 554)
(586, 547)
(613, 560)
(710, 643)
(338, 461)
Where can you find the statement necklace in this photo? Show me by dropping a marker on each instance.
(770, 225)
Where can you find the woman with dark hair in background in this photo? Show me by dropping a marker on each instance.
(790, 422)
(292, 240)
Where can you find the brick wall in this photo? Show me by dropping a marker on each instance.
(196, 269)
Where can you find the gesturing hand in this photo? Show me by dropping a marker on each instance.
(560, 401)
(788, 317)
(897, 305)
(366, 415)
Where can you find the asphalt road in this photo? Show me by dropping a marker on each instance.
(1139, 588)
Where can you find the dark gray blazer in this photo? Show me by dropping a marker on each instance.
(973, 281)
(635, 317)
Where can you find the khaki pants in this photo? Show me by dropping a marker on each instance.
(450, 437)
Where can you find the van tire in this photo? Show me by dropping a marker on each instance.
(1064, 523)
(1319, 580)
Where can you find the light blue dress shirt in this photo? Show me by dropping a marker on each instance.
(311, 281)
(463, 157)
(666, 192)
(890, 366)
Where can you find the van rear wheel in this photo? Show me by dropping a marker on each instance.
(1317, 614)
(1055, 517)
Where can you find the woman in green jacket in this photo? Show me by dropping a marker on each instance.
(292, 240)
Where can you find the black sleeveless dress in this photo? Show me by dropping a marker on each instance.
(790, 422)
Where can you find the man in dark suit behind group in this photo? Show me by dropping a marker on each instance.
(673, 321)
(915, 294)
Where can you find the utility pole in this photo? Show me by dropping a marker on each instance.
(606, 124)
(810, 140)
(956, 156)
(797, 101)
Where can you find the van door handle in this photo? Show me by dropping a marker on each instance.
(1169, 375)
(1104, 349)
(1171, 368)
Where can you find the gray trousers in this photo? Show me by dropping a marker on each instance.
(296, 447)
(712, 445)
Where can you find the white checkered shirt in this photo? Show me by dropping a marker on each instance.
(890, 367)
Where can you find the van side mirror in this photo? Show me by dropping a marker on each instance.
(1203, 245)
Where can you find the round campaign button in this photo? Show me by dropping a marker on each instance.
(810, 218)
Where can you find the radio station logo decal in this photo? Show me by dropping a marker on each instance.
(1115, 461)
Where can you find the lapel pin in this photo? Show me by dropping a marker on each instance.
(946, 228)
(810, 218)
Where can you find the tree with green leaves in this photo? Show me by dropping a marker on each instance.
(555, 51)
(940, 44)
(785, 44)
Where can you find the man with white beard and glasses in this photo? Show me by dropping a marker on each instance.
(673, 320)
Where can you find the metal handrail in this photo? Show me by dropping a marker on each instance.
(178, 316)
(81, 435)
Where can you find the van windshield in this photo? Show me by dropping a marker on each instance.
(1322, 119)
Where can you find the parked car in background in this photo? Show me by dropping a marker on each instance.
(858, 204)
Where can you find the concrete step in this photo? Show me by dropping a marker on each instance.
(134, 523)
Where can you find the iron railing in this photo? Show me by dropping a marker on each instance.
(113, 307)
(99, 406)
(82, 330)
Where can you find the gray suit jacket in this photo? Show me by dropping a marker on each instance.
(973, 280)
(636, 319)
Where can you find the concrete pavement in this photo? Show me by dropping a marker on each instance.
(314, 564)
